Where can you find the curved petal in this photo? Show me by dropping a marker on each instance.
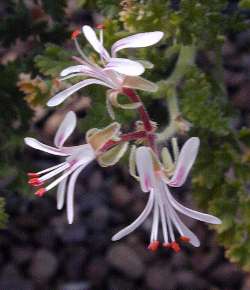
(186, 231)
(75, 69)
(145, 169)
(66, 128)
(185, 161)
(192, 213)
(141, 218)
(90, 35)
(125, 66)
(70, 194)
(61, 193)
(42, 147)
(61, 96)
(137, 40)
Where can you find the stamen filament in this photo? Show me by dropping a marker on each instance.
(54, 172)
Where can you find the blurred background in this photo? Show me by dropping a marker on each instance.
(39, 250)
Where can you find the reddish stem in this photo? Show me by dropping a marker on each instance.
(134, 98)
(124, 138)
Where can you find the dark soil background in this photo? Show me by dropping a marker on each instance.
(40, 251)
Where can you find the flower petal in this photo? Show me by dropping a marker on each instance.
(42, 147)
(66, 128)
(125, 66)
(141, 218)
(94, 41)
(137, 40)
(186, 231)
(192, 213)
(70, 194)
(185, 161)
(144, 166)
(75, 69)
(61, 96)
(61, 193)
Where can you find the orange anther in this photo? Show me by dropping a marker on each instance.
(175, 246)
(40, 192)
(184, 239)
(154, 246)
(75, 34)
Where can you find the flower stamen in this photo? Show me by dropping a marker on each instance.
(75, 33)
(154, 246)
(185, 239)
(175, 246)
(40, 192)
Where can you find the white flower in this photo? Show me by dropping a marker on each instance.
(76, 159)
(165, 208)
(116, 72)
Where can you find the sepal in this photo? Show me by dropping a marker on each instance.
(99, 137)
(113, 155)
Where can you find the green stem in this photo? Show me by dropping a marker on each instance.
(186, 59)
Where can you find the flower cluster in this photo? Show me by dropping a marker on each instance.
(107, 145)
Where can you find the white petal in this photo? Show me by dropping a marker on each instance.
(141, 218)
(61, 193)
(60, 97)
(125, 66)
(137, 40)
(192, 213)
(65, 129)
(94, 41)
(186, 231)
(70, 194)
(42, 147)
(185, 161)
(75, 69)
(144, 166)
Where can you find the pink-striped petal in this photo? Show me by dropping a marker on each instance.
(45, 148)
(144, 166)
(185, 161)
(66, 128)
(90, 35)
(137, 40)
(62, 96)
(125, 66)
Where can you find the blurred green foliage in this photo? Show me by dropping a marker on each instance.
(222, 171)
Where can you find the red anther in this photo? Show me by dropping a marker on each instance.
(184, 239)
(175, 246)
(100, 26)
(166, 245)
(154, 246)
(75, 34)
(35, 182)
(40, 192)
(32, 174)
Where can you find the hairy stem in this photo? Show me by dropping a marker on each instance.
(186, 59)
